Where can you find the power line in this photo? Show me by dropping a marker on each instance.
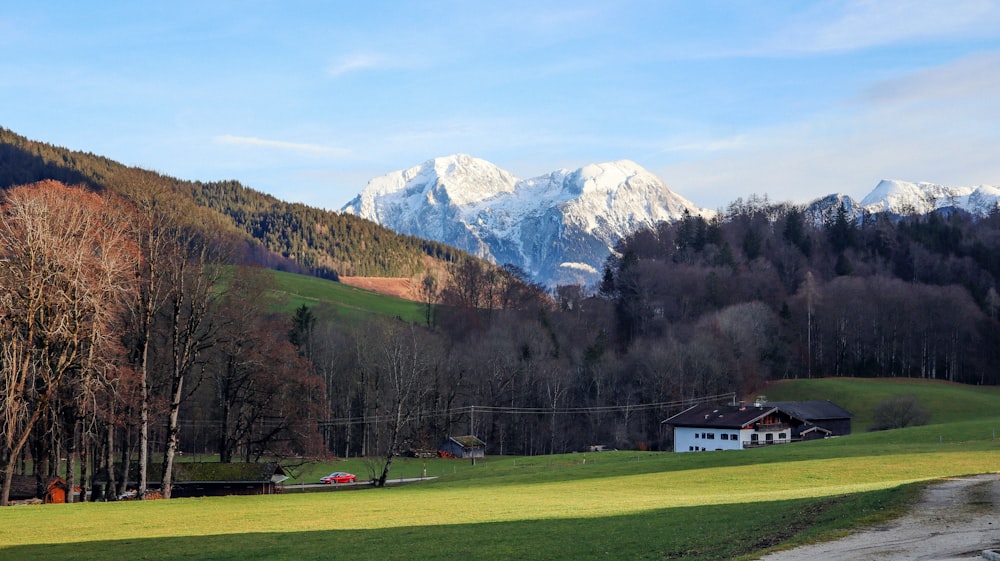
(473, 409)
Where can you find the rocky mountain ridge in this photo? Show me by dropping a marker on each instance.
(906, 198)
(558, 227)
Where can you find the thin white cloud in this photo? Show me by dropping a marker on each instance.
(861, 24)
(282, 145)
(846, 151)
(707, 145)
(971, 82)
(356, 62)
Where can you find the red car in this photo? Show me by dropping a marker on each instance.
(339, 477)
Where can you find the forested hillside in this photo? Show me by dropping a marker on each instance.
(913, 296)
(324, 242)
(289, 236)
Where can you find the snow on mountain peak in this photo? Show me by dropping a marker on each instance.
(560, 224)
(459, 179)
(905, 198)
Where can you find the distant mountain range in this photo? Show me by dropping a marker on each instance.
(559, 227)
(905, 198)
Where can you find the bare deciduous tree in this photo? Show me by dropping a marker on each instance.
(400, 360)
(193, 273)
(65, 265)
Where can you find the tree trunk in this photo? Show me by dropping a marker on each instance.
(173, 431)
(71, 460)
(112, 486)
(18, 446)
(86, 450)
(144, 414)
(125, 462)
(225, 448)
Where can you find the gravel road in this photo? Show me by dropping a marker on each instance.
(955, 520)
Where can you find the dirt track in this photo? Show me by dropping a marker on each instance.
(955, 520)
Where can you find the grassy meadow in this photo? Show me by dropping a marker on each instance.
(610, 505)
(295, 290)
(946, 402)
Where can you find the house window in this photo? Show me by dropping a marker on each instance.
(782, 435)
(734, 436)
(725, 436)
(711, 436)
(769, 437)
(754, 436)
(690, 448)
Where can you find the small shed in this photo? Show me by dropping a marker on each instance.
(467, 446)
(25, 487)
(55, 492)
(203, 479)
(34, 488)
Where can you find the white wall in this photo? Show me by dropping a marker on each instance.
(705, 440)
(701, 439)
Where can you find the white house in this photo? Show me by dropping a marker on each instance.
(730, 427)
(735, 427)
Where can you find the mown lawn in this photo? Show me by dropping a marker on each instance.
(613, 506)
(695, 533)
(616, 505)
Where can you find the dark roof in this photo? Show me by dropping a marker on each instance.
(721, 416)
(23, 487)
(202, 472)
(816, 410)
(192, 472)
(467, 441)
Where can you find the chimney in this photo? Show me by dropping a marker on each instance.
(743, 405)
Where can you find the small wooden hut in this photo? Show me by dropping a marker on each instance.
(467, 446)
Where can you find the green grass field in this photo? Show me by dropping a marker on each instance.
(294, 290)
(612, 505)
(947, 403)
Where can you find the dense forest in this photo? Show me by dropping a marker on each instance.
(133, 327)
(835, 295)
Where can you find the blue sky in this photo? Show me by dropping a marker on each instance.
(309, 100)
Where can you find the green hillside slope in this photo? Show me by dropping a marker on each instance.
(295, 290)
(288, 236)
(945, 401)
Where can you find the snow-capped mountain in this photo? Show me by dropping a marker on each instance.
(904, 198)
(558, 227)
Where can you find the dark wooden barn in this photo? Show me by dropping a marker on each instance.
(821, 418)
(202, 479)
(467, 446)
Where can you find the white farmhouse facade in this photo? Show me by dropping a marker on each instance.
(730, 427)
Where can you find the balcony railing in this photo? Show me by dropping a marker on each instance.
(760, 443)
(769, 427)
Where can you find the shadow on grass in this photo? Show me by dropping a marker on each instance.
(695, 533)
